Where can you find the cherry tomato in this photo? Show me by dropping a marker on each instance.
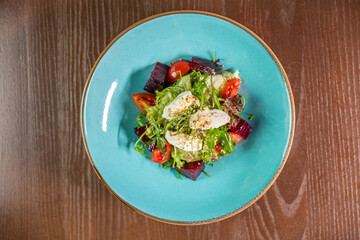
(231, 88)
(177, 68)
(143, 100)
(159, 157)
(217, 148)
(236, 137)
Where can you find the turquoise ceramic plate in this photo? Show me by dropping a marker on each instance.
(109, 116)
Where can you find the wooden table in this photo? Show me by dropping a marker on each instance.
(48, 189)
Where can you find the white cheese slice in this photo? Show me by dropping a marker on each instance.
(206, 119)
(179, 104)
(184, 141)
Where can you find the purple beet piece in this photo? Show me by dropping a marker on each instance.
(205, 66)
(152, 146)
(240, 126)
(157, 78)
(140, 131)
(192, 170)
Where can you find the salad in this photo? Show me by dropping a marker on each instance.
(191, 116)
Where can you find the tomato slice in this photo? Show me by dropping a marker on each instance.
(177, 68)
(231, 88)
(236, 137)
(217, 148)
(158, 155)
(143, 100)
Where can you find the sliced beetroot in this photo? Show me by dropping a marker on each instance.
(240, 126)
(192, 170)
(205, 66)
(140, 131)
(157, 78)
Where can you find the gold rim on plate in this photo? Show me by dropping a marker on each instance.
(270, 183)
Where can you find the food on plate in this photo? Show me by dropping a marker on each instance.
(143, 100)
(177, 69)
(192, 169)
(205, 66)
(206, 119)
(184, 141)
(194, 117)
(156, 80)
(181, 103)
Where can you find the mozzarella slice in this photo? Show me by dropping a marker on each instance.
(179, 104)
(206, 119)
(183, 141)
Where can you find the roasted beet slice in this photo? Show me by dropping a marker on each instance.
(240, 126)
(205, 66)
(192, 170)
(140, 131)
(157, 78)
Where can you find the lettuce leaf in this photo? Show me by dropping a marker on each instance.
(163, 98)
(228, 75)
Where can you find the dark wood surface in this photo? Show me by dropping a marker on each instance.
(48, 189)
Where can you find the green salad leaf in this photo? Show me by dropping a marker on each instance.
(163, 98)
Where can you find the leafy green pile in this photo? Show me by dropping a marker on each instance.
(157, 125)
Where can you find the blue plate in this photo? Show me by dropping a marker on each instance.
(109, 116)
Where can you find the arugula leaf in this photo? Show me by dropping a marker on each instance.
(213, 56)
(177, 162)
(184, 82)
(141, 120)
(179, 175)
(140, 146)
(213, 137)
(206, 173)
(200, 87)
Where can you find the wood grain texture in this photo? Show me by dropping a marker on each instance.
(47, 187)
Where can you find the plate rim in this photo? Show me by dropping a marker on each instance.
(292, 108)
